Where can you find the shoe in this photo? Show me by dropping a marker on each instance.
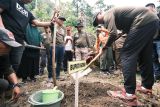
(122, 95)
(144, 90)
(60, 79)
(50, 80)
(33, 79)
(117, 72)
(25, 80)
(157, 78)
(129, 100)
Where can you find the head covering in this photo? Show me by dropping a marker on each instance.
(95, 18)
(79, 25)
(99, 26)
(8, 38)
(62, 18)
(150, 4)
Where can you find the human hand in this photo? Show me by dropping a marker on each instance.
(9, 33)
(15, 93)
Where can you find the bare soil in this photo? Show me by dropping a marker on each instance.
(92, 91)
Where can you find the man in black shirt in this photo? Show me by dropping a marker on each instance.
(140, 25)
(15, 17)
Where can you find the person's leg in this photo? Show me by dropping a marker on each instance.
(78, 53)
(136, 44)
(49, 65)
(59, 59)
(103, 61)
(15, 57)
(145, 64)
(84, 53)
(65, 61)
(35, 66)
(117, 59)
(3, 85)
(156, 64)
(110, 61)
(42, 61)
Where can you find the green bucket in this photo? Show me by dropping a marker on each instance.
(42, 98)
(49, 95)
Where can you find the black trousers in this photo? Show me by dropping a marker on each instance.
(138, 46)
(68, 56)
(3, 85)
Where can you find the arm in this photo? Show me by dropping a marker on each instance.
(1, 22)
(96, 46)
(16, 90)
(41, 24)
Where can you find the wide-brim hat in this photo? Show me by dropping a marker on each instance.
(62, 18)
(8, 38)
(79, 25)
(95, 19)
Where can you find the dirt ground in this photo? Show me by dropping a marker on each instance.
(92, 91)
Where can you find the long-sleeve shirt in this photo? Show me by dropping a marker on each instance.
(126, 18)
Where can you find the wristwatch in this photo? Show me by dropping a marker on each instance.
(16, 85)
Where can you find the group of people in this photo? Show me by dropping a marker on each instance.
(138, 25)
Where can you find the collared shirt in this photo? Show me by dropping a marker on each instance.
(81, 40)
(60, 34)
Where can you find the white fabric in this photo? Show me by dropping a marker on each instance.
(68, 46)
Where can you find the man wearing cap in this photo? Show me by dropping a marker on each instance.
(81, 43)
(59, 54)
(140, 25)
(7, 74)
(15, 17)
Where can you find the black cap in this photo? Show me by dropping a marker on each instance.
(95, 18)
(8, 38)
(79, 25)
(62, 18)
(150, 4)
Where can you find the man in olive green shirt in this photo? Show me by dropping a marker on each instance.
(81, 43)
(140, 25)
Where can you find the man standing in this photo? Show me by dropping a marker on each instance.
(81, 43)
(140, 25)
(59, 48)
(15, 17)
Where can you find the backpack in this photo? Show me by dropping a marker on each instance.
(33, 36)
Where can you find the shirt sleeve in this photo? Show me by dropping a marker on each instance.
(5, 4)
(111, 26)
(31, 18)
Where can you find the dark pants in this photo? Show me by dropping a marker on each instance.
(43, 58)
(68, 56)
(138, 44)
(29, 66)
(155, 56)
(15, 57)
(59, 59)
(3, 85)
